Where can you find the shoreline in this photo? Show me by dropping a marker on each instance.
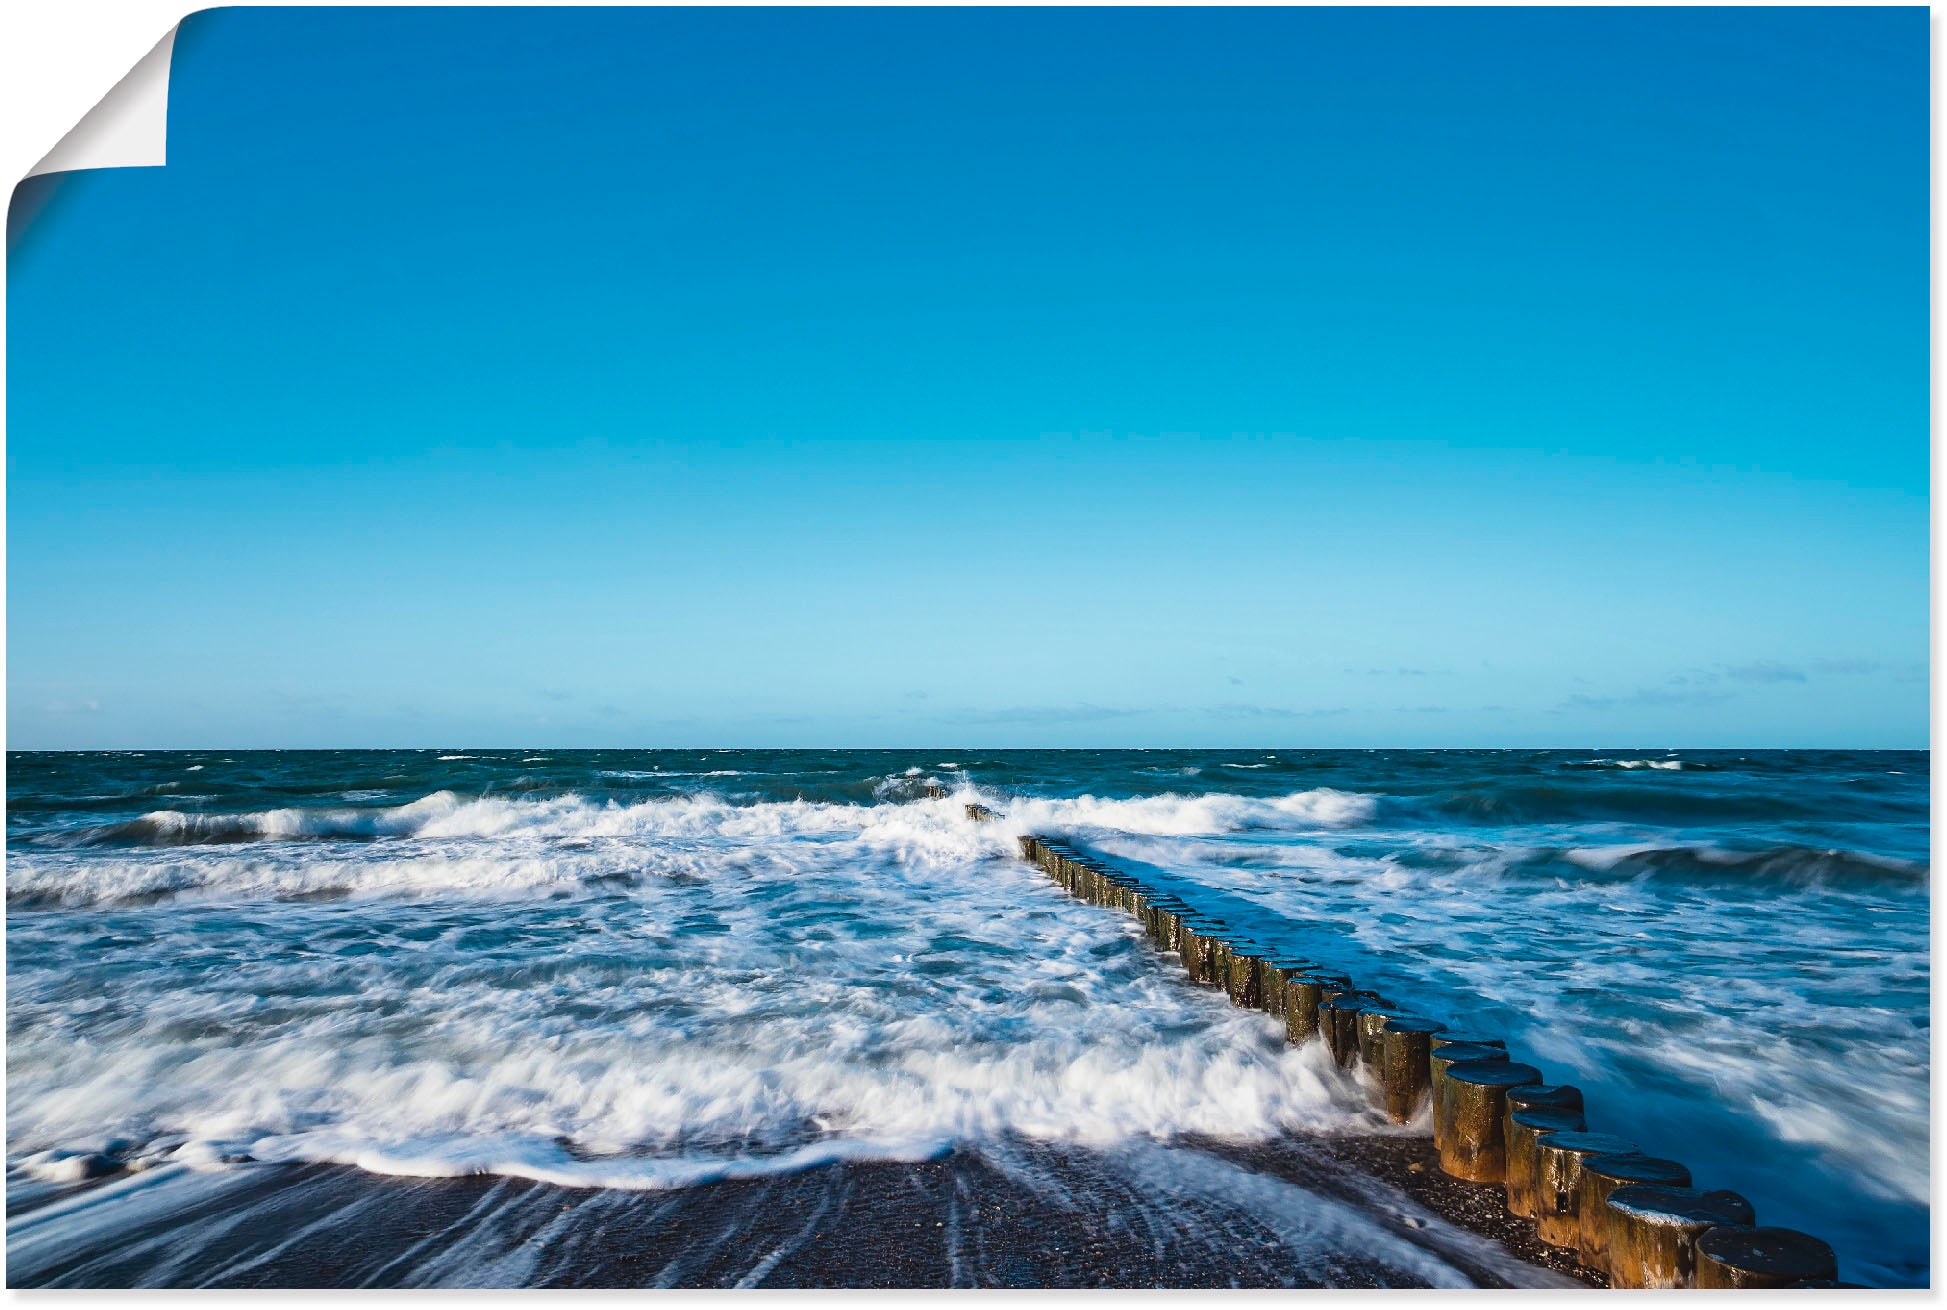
(1342, 1211)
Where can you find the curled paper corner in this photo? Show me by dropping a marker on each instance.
(128, 128)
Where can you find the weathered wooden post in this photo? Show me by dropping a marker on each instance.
(1338, 1020)
(1651, 1232)
(1198, 958)
(1762, 1257)
(1158, 920)
(1474, 1093)
(1439, 1056)
(1603, 1174)
(1550, 1096)
(1272, 974)
(1222, 944)
(1371, 1022)
(1240, 975)
(1302, 997)
(1522, 1128)
(1558, 1175)
(1403, 1070)
(1467, 1037)
(1095, 886)
(1201, 960)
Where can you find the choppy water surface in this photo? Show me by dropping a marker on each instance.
(633, 971)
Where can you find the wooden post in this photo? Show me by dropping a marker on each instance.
(1651, 1232)
(1272, 974)
(1558, 1176)
(1153, 911)
(1240, 978)
(1521, 1130)
(1403, 1070)
(1762, 1257)
(1372, 1034)
(1169, 925)
(1197, 961)
(1219, 970)
(1201, 959)
(1439, 1056)
(1474, 1094)
(1545, 1096)
(1338, 1020)
(1603, 1174)
(1092, 881)
(1301, 1001)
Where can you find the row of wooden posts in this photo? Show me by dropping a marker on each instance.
(1632, 1217)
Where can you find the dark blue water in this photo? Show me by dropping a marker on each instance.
(648, 969)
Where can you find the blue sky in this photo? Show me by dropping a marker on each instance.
(995, 377)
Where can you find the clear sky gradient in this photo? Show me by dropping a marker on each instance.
(1070, 377)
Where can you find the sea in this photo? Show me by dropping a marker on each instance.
(448, 1017)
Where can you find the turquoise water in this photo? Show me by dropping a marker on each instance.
(643, 970)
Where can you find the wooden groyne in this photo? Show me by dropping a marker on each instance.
(1630, 1217)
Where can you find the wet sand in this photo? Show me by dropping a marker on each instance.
(1216, 1215)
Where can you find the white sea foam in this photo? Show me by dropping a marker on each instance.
(775, 985)
(1181, 815)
